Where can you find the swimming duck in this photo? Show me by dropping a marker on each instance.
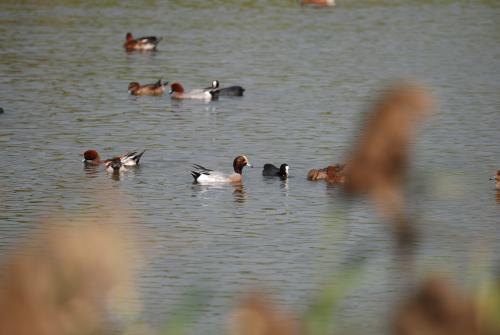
(134, 88)
(332, 174)
(272, 171)
(497, 180)
(177, 92)
(203, 175)
(141, 44)
(319, 3)
(92, 158)
(231, 91)
(114, 165)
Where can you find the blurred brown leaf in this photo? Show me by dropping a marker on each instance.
(62, 288)
(255, 315)
(437, 308)
(379, 159)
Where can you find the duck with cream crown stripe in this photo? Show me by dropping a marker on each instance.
(203, 175)
(177, 92)
(147, 43)
(134, 88)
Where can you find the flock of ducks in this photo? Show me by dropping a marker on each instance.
(201, 174)
(177, 91)
(332, 174)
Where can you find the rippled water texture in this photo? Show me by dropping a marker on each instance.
(308, 74)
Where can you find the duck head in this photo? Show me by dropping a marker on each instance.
(90, 156)
(215, 84)
(284, 171)
(129, 37)
(239, 163)
(133, 87)
(176, 87)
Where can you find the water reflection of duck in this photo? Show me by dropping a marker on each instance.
(239, 193)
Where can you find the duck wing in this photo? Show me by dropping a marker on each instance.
(149, 39)
(201, 169)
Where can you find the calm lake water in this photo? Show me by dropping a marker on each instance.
(308, 74)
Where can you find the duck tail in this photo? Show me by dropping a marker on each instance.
(195, 175)
(136, 158)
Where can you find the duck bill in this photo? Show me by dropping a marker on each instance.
(249, 165)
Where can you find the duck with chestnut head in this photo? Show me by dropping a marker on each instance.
(147, 43)
(202, 175)
(92, 158)
(177, 92)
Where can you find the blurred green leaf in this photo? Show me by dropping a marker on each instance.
(185, 314)
(318, 319)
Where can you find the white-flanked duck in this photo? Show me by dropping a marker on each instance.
(134, 88)
(203, 175)
(92, 158)
(231, 91)
(272, 171)
(177, 92)
(146, 43)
